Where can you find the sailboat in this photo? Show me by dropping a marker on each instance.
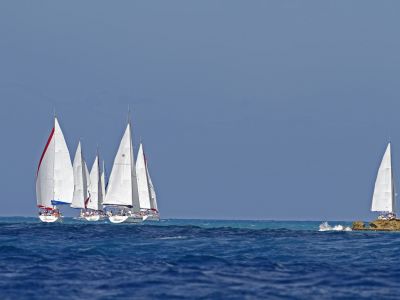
(81, 182)
(384, 197)
(147, 194)
(94, 205)
(54, 176)
(122, 198)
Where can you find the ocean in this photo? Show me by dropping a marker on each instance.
(195, 259)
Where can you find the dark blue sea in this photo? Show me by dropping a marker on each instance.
(195, 259)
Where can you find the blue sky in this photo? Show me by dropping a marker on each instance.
(248, 109)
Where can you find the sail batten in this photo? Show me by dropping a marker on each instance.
(383, 199)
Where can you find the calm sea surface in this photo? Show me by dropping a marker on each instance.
(194, 259)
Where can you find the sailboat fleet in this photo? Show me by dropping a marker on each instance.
(128, 197)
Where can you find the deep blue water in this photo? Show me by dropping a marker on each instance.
(190, 259)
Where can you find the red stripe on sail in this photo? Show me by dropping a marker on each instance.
(45, 149)
(45, 207)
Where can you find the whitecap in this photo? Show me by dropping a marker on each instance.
(172, 237)
(324, 226)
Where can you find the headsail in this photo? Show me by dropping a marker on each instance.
(103, 181)
(153, 196)
(95, 188)
(54, 178)
(81, 180)
(383, 199)
(143, 183)
(122, 185)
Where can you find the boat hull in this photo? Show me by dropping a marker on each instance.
(151, 218)
(134, 220)
(49, 219)
(92, 218)
(117, 219)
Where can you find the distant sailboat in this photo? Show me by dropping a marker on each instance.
(122, 198)
(54, 176)
(383, 200)
(147, 195)
(94, 205)
(81, 181)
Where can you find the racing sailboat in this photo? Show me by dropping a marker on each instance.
(384, 197)
(122, 198)
(54, 176)
(147, 195)
(94, 205)
(81, 182)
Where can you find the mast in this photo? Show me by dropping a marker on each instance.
(54, 164)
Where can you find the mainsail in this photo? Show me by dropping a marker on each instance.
(122, 187)
(54, 177)
(383, 199)
(81, 180)
(95, 188)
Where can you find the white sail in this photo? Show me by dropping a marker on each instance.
(95, 188)
(122, 185)
(153, 196)
(383, 199)
(143, 183)
(55, 178)
(81, 180)
(103, 181)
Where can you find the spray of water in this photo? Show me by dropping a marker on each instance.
(326, 227)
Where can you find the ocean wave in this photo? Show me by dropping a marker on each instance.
(179, 237)
(326, 227)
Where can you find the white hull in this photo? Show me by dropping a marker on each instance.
(134, 220)
(117, 219)
(151, 218)
(92, 218)
(49, 219)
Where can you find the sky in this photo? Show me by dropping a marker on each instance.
(277, 110)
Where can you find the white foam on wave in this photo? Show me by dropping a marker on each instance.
(172, 237)
(326, 227)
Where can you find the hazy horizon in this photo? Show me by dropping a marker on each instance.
(247, 110)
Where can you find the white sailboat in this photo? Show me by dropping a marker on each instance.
(383, 200)
(81, 181)
(122, 198)
(94, 205)
(54, 176)
(147, 195)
